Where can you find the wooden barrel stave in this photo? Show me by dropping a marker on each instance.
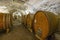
(1, 21)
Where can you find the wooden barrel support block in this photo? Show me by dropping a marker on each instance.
(44, 23)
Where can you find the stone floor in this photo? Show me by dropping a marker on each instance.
(57, 36)
(18, 33)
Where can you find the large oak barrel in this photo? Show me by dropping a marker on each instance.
(29, 21)
(44, 24)
(5, 21)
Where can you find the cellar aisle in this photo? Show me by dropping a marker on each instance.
(18, 33)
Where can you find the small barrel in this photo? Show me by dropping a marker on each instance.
(44, 24)
(29, 21)
(5, 21)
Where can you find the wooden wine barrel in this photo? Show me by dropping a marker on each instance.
(5, 21)
(58, 29)
(24, 17)
(29, 21)
(44, 24)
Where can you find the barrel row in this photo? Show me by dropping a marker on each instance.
(42, 23)
(5, 22)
